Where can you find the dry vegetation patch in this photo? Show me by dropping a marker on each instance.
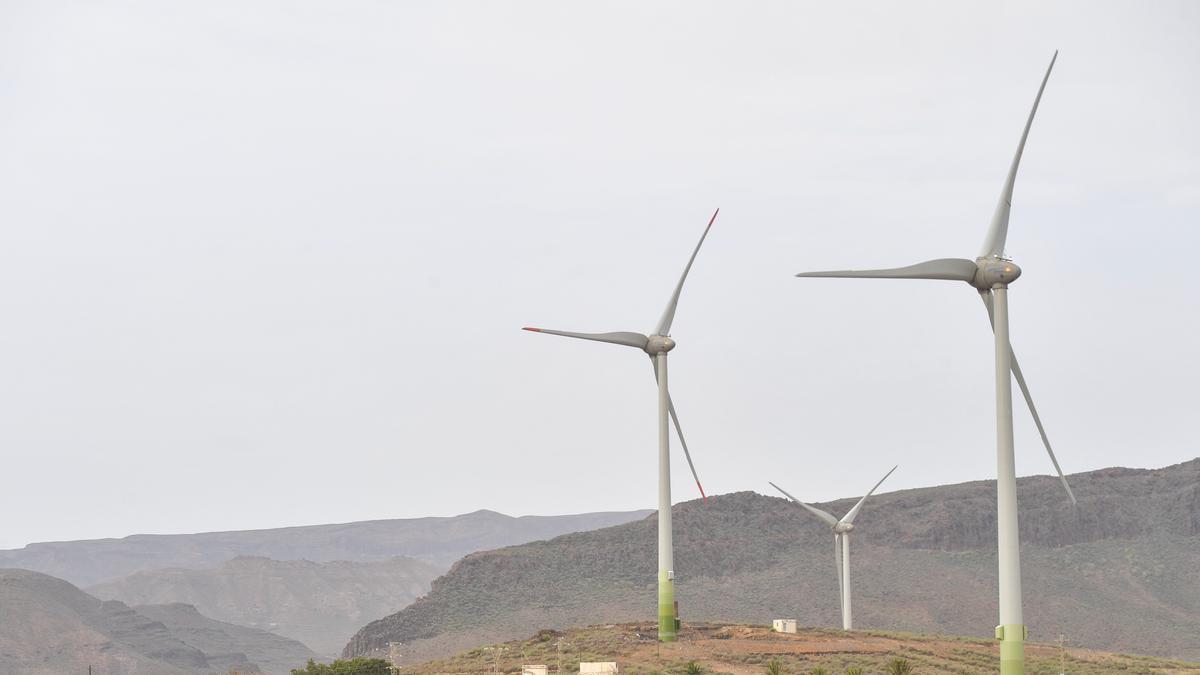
(746, 649)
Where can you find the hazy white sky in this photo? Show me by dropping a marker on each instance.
(265, 263)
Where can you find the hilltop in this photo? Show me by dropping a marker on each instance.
(924, 560)
(747, 649)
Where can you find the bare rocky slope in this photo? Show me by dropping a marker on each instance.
(439, 541)
(319, 604)
(1120, 572)
(50, 627)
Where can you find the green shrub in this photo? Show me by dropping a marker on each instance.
(693, 668)
(854, 670)
(356, 666)
(899, 667)
(775, 667)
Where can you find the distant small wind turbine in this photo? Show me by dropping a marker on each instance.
(657, 345)
(990, 273)
(841, 544)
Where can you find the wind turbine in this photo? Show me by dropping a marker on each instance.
(841, 544)
(656, 345)
(990, 273)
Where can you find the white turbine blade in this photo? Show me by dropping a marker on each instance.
(951, 269)
(1037, 420)
(823, 515)
(687, 455)
(853, 513)
(837, 557)
(675, 418)
(619, 338)
(993, 245)
(668, 317)
(679, 432)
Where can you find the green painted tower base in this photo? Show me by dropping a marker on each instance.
(1012, 648)
(667, 623)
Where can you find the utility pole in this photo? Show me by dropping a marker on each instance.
(1062, 656)
(394, 655)
(560, 661)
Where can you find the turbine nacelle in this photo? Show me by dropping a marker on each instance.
(994, 272)
(843, 528)
(658, 344)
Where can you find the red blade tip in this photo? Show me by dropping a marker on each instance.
(534, 330)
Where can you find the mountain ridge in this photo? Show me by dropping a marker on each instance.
(750, 557)
(437, 539)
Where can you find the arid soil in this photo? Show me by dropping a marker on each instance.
(746, 650)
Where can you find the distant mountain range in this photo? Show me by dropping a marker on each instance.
(50, 627)
(319, 604)
(319, 585)
(439, 541)
(1121, 571)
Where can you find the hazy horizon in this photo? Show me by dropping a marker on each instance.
(770, 493)
(266, 264)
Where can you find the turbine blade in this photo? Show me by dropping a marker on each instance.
(679, 432)
(823, 515)
(668, 316)
(951, 269)
(853, 513)
(687, 455)
(1037, 420)
(619, 338)
(837, 557)
(993, 245)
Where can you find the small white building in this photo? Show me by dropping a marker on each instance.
(535, 670)
(784, 625)
(598, 667)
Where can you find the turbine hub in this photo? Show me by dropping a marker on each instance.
(843, 528)
(995, 272)
(659, 344)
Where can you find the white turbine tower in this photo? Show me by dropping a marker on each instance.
(841, 544)
(990, 273)
(657, 345)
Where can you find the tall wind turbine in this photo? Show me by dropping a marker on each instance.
(990, 273)
(841, 544)
(657, 345)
